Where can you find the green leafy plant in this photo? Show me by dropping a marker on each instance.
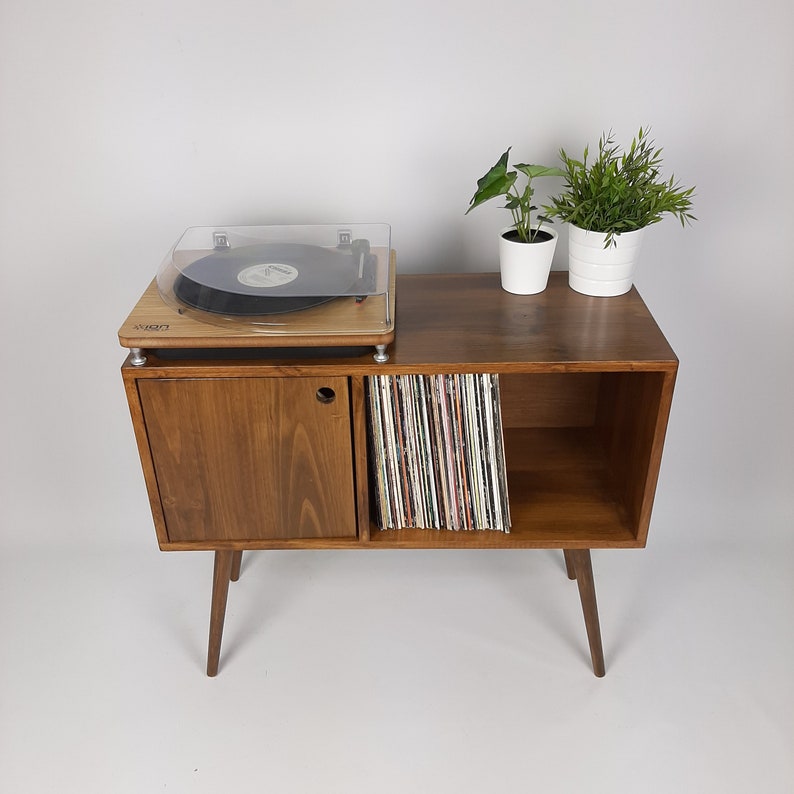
(501, 182)
(620, 191)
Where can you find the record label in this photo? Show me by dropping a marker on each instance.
(273, 275)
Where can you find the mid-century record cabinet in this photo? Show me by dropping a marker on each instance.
(245, 447)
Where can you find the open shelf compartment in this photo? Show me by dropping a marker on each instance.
(582, 452)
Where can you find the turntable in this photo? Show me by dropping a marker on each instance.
(264, 287)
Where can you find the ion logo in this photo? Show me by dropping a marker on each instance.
(162, 327)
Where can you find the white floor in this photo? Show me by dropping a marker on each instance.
(400, 671)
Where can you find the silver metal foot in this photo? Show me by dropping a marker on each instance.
(137, 358)
(381, 356)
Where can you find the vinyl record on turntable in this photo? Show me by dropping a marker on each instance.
(266, 278)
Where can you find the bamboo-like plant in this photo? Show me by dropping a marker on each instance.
(501, 182)
(620, 191)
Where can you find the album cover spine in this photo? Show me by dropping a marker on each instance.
(437, 452)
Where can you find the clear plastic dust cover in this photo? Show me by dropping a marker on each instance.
(273, 279)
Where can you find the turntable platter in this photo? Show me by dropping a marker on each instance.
(266, 278)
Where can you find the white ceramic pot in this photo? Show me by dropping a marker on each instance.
(595, 270)
(525, 266)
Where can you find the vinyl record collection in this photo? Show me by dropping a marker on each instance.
(438, 452)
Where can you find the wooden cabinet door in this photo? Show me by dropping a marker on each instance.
(251, 458)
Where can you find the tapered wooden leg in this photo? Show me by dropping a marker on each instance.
(237, 561)
(220, 590)
(569, 566)
(583, 569)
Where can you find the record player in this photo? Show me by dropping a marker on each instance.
(260, 287)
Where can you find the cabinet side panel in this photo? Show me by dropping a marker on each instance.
(657, 448)
(144, 452)
(632, 419)
(251, 458)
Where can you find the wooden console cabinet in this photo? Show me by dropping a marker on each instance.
(245, 447)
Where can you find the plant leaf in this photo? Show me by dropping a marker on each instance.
(533, 171)
(495, 183)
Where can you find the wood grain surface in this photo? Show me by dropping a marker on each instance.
(251, 458)
(587, 385)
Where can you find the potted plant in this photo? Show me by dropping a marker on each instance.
(525, 249)
(608, 204)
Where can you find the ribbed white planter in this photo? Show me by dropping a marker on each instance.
(525, 266)
(595, 270)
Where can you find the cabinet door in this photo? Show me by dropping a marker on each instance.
(251, 458)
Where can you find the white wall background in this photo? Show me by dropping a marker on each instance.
(122, 123)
